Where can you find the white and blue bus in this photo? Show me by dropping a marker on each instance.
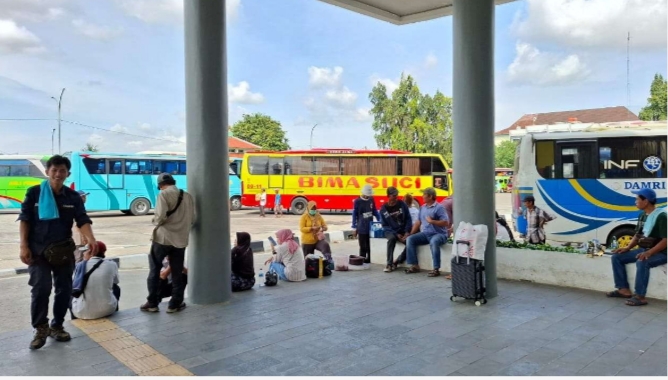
(584, 175)
(128, 182)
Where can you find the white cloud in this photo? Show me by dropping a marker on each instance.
(342, 98)
(95, 31)
(136, 143)
(145, 127)
(17, 39)
(431, 61)
(95, 139)
(594, 23)
(531, 66)
(34, 10)
(324, 76)
(167, 11)
(362, 115)
(241, 93)
(118, 128)
(390, 84)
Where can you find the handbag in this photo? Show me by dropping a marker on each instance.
(61, 253)
(76, 293)
(320, 235)
(271, 278)
(648, 242)
(317, 268)
(355, 260)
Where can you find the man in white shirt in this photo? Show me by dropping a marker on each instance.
(174, 217)
(263, 202)
(99, 297)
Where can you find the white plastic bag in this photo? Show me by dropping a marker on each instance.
(470, 241)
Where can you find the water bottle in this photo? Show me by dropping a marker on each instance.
(261, 277)
(614, 245)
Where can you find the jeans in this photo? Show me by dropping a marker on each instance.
(435, 242)
(365, 246)
(391, 243)
(280, 270)
(321, 245)
(42, 277)
(619, 262)
(155, 258)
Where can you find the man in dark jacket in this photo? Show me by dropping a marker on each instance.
(397, 223)
(364, 209)
(46, 219)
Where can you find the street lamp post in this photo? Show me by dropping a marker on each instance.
(60, 101)
(311, 145)
(53, 132)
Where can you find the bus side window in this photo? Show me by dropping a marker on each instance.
(131, 167)
(425, 166)
(4, 170)
(182, 167)
(545, 158)
(437, 165)
(258, 165)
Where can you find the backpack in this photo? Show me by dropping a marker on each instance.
(317, 268)
(271, 278)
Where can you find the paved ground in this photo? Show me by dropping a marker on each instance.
(129, 235)
(371, 323)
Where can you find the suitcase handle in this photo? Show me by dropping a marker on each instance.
(463, 242)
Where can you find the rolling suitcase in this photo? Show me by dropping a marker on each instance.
(468, 280)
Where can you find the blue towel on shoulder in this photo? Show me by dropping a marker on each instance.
(651, 221)
(48, 209)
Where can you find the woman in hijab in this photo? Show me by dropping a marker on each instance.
(243, 271)
(313, 227)
(287, 259)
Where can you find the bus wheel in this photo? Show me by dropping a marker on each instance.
(623, 235)
(140, 206)
(235, 203)
(298, 206)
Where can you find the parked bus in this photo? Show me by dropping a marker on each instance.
(585, 176)
(17, 174)
(127, 182)
(334, 177)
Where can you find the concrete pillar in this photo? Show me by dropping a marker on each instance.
(473, 117)
(206, 133)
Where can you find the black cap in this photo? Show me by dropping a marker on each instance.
(166, 179)
(392, 191)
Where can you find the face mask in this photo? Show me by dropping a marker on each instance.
(312, 212)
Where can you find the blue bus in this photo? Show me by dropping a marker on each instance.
(127, 182)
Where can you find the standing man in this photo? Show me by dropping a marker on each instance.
(364, 209)
(263, 202)
(650, 236)
(536, 220)
(435, 224)
(46, 219)
(278, 209)
(174, 216)
(397, 223)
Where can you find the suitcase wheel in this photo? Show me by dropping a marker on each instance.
(477, 303)
(452, 298)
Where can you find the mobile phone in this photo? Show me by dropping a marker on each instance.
(272, 241)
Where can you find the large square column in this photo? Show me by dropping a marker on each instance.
(473, 117)
(207, 154)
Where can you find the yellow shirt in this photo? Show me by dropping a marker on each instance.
(305, 224)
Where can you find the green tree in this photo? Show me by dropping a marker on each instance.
(408, 120)
(656, 103)
(504, 154)
(261, 130)
(89, 147)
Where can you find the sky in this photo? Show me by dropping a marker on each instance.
(302, 62)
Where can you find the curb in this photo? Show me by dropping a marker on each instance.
(140, 261)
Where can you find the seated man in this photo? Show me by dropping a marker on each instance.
(651, 237)
(397, 224)
(98, 297)
(434, 222)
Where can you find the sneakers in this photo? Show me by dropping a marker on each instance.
(39, 339)
(149, 308)
(388, 269)
(59, 334)
(177, 309)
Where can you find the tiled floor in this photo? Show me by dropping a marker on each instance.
(375, 323)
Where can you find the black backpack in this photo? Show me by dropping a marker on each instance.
(271, 278)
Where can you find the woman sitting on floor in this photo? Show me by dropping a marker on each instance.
(243, 271)
(287, 259)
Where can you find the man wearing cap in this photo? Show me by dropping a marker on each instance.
(536, 219)
(174, 217)
(99, 298)
(650, 236)
(397, 223)
(432, 229)
(364, 209)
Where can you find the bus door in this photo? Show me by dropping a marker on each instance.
(276, 171)
(115, 177)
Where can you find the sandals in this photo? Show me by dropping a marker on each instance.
(616, 294)
(635, 301)
(434, 273)
(412, 269)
